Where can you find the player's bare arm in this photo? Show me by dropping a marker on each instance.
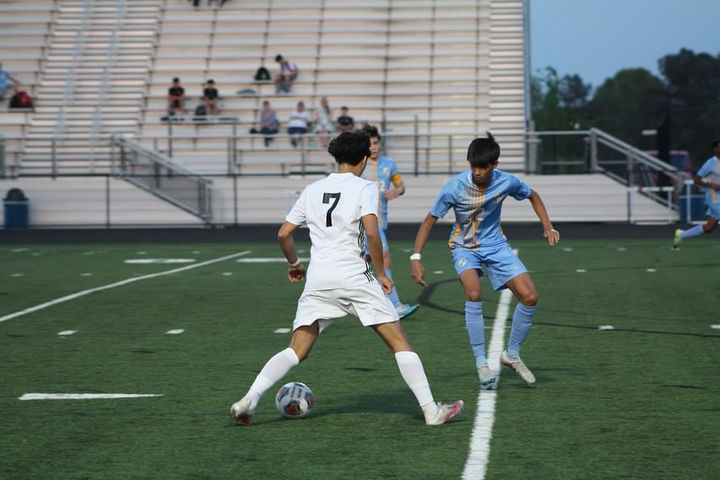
(370, 224)
(552, 235)
(296, 270)
(417, 271)
(704, 183)
(398, 188)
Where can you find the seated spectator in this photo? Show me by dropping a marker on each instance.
(268, 123)
(298, 123)
(286, 76)
(176, 97)
(5, 79)
(344, 123)
(210, 98)
(324, 125)
(21, 100)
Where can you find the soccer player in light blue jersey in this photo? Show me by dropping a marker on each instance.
(382, 170)
(477, 240)
(709, 177)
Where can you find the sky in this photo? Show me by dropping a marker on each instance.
(596, 38)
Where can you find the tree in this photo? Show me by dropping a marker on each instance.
(628, 103)
(559, 103)
(693, 84)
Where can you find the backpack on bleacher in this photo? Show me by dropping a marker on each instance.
(200, 112)
(262, 75)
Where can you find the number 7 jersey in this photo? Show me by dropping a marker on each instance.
(332, 209)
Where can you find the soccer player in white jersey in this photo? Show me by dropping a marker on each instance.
(340, 211)
(382, 170)
(709, 177)
(476, 240)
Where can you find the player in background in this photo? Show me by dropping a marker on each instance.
(382, 170)
(709, 177)
(476, 240)
(341, 211)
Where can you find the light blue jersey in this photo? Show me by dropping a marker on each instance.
(382, 173)
(710, 172)
(477, 213)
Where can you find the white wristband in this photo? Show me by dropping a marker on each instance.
(297, 262)
(415, 256)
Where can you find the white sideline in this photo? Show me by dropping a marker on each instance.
(479, 452)
(73, 296)
(84, 396)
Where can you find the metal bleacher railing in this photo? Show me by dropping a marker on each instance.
(154, 173)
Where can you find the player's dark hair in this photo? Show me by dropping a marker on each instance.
(350, 147)
(483, 151)
(715, 143)
(371, 131)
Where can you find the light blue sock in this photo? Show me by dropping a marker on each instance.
(476, 330)
(521, 323)
(393, 295)
(695, 231)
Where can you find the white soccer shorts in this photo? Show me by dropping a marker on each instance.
(366, 301)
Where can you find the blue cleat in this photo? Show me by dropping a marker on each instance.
(405, 310)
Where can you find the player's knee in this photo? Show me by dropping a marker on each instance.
(529, 299)
(473, 295)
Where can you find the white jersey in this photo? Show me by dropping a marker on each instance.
(332, 208)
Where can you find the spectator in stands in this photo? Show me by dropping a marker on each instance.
(268, 123)
(344, 123)
(324, 125)
(210, 98)
(176, 97)
(298, 123)
(21, 100)
(286, 76)
(5, 80)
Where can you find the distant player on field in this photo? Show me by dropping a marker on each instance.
(340, 212)
(382, 170)
(709, 177)
(476, 240)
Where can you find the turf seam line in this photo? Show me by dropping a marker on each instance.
(82, 293)
(479, 451)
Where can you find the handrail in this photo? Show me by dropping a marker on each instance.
(644, 156)
(160, 176)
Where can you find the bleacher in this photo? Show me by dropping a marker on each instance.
(435, 66)
(431, 73)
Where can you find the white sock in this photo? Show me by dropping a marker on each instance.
(412, 371)
(275, 368)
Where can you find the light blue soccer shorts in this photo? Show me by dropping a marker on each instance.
(713, 211)
(501, 263)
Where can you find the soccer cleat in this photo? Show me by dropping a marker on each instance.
(444, 413)
(519, 366)
(405, 310)
(488, 380)
(677, 239)
(241, 412)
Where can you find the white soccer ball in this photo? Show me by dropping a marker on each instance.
(294, 400)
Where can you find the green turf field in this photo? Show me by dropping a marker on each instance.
(639, 401)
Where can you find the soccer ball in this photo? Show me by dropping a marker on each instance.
(294, 400)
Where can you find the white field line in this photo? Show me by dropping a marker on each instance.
(73, 296)
(476, 464)
(84, 396)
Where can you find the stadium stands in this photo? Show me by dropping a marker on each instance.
(438, 66)
(432, 73)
